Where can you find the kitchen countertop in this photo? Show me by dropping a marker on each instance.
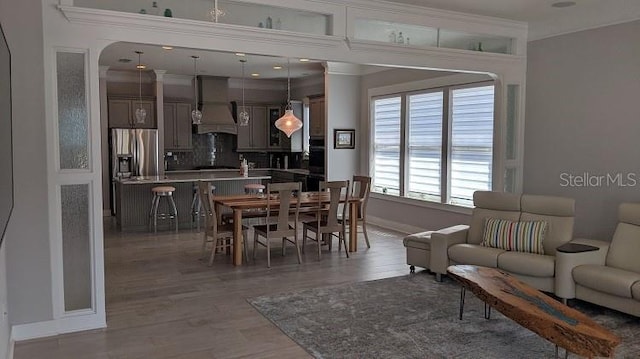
(300, 171)
(193, 176)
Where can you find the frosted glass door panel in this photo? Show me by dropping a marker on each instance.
(475, 42)
(76, 247)
(73, 140)
(396, 33)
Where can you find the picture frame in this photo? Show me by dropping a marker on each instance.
(6, 138)
(344, 139)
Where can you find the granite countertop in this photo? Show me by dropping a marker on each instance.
(193, 176)
(290, 170)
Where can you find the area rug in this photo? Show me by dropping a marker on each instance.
(415, 317)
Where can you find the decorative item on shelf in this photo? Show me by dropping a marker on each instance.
(288, 123)
(344, 139)
(278, 24)
(392, 36)
(480, 47)
(168, 13)
(260, 24)
(269, 22)
(216, 13)
(400, 38)
(407, 42)
(243, 116)
(154, 8)
(142, 11)
(196, 115)
(141, 113)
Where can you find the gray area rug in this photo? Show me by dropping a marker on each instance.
(415, 317)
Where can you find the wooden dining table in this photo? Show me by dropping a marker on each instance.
(244, 202)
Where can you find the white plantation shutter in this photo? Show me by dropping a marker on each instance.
(471, 142)
(425, 146)
(387, 137)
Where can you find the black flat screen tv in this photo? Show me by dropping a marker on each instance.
(6, 144)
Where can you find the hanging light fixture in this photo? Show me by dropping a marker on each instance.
(141, 113)
(243, 116)
(288, 123)
(196, 115)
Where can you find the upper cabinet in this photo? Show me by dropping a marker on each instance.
(254, 136)
(122, 113)
(177, 126)
(316, 117)
(262, 135)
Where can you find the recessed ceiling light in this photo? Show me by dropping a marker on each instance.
(277, 67)
(255, 74)
(167, 47)
(141, 67)
(304, 60)
(561, 4)
(124, 61)
(241, 54)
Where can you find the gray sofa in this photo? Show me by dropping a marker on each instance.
(436, 250)
(610, 276)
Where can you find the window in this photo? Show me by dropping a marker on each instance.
(434, 145)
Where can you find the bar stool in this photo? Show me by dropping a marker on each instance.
(158, 193)
(254, 188)
(196, 206)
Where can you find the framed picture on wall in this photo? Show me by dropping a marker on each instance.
(344, 138)
(6, 147)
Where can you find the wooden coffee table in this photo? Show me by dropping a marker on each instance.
(565, 327)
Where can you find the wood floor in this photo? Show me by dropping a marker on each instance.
(163, 302)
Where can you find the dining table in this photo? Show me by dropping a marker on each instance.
(245, 202)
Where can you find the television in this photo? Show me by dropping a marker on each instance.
(6, 144)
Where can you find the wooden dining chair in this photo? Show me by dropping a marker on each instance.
(220, 235)
(361, 189)
(327, 223)
(282, 194)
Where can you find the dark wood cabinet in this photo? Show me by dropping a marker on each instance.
(122, 113)
(316, 117)
(177, 126)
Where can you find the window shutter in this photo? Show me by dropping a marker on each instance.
(471, 142)
(387, 136)
(425, 145)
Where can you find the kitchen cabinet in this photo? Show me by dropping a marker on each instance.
(122, 113)
(317, 118)
(177, 126)
(254, 136)
(278, 141)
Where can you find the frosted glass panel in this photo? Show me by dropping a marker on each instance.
(510, 180)
(72, 111)
(76, 246)
(396, 33)
(512, 105)
(476, 42)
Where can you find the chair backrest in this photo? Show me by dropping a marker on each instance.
(490, 204)
(205, 190)
(284, 193)
(624, 249)
(336, 190)
(558, 212)
(362, 189)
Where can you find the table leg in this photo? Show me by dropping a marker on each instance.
(463, 290)
(237, 237)
(353, 227)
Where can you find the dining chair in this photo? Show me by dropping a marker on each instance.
(327, 222)
(220, 235)
(280, 194)
(361, 190)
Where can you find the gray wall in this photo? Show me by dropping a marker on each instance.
(582, 116)
(5, 331)
(28, 264)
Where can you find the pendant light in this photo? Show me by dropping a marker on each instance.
(288, 123)
(196, 115)
(243, 116)
(141, 113)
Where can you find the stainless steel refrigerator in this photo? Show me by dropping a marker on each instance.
(134, 153)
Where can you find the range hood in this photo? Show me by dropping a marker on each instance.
(216, 115)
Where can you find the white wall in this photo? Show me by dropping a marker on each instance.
(583, 117)
(5, 328)
(342, 95)
(28, 267)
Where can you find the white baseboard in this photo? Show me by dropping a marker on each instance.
(393, 225)
(55, 327)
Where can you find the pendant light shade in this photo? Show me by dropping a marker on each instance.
(141, 113)
(196, 115)
(288, 123)
(243, 116)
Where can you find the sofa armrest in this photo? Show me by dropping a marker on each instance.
(441, 240)
(565, 286)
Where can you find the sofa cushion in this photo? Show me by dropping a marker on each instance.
(514, 236)
(529, 264)
(606, 279)
(475, 254)
(624, 250)
(420, 240)
(635, 291)
(558, 212)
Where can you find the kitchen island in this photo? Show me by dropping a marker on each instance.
(133, 195)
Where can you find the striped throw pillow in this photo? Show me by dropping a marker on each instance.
(514, 236)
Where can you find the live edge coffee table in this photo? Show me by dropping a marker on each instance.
(565, 327)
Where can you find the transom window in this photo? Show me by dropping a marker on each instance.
(434, 145)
